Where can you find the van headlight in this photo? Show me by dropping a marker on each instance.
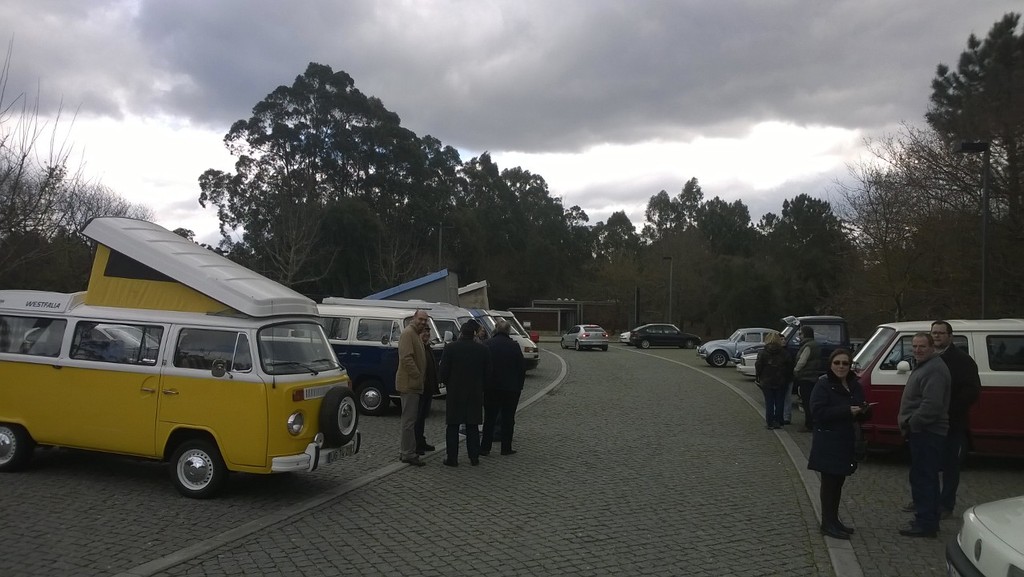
(296, 422)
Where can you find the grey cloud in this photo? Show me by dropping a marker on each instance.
(527, 76)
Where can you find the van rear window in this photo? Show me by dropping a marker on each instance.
(1005, 352)
(31, 335)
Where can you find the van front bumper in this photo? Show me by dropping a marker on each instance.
(315, 455)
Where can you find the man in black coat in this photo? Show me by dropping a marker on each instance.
(965, 386)
(465, 368)
(502, 391)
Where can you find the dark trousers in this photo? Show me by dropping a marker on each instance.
(773, 404)
(956, 444)
(451, 437)
(804, 388)
(499, 405)
(831, 493)
(421, 419)
(926, 456)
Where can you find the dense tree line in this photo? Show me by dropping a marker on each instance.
(333, 196)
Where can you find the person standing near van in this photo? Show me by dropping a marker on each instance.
(924, 421)
(838, 404)
(773, 372)
(965, 386)
(412, 366)
(806, 373)
(502, 392)
(465, 367)
(427, 397)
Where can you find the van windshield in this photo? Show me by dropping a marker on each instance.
(294, 348)
(516, 327)
(870, 350)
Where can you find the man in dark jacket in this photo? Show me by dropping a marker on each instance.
(501, 394)
(465, 367)
(965, 386)
(806, 373)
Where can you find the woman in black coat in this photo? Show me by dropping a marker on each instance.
(465, 367)
(837, 407)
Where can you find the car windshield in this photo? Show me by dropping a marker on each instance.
(294, 348)
(736, 335)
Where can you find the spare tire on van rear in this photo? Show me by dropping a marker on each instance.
(339, 417)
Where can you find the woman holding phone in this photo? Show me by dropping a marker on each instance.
(837, 407)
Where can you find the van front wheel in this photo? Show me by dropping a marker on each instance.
(372, 400)
(199, 471)
(16, 447)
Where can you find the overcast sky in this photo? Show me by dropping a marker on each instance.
(610, 101)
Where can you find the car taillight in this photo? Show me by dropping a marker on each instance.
(605, 335)
(585, 335)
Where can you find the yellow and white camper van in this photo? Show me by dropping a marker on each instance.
(173, 353)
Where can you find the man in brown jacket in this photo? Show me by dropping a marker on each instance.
(412, 364)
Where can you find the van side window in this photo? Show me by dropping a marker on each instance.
(373, 330)
(199, 348)
(901, 351)
(1005, 352)
(31, 335)
(337, 327)
(126, 344)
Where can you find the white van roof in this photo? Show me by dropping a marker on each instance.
(198, 268)
(329, 310)
(961, 325)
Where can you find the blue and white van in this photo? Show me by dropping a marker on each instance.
(364, 336)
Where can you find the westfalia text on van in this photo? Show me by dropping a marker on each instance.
(174, 353)
(997, 346)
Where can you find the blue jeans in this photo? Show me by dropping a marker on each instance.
(926, 456)
(956, 444)
(773, 405)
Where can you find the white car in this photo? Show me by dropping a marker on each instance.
(991, 541)
(624, 337)
(745, 365)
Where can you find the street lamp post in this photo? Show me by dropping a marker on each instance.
(440, 235)
(986, 149)
(669, 259)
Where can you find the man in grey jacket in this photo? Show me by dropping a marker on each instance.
(924, 421)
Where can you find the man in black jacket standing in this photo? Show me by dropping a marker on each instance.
(965, 386)
(501, 394)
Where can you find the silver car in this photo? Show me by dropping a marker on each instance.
(582, 337)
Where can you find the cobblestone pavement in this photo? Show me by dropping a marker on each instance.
(632, 464)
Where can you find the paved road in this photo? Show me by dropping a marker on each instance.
(631, 463)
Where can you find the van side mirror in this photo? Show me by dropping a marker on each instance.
(902, 367)
(220, 368)
(384, 340)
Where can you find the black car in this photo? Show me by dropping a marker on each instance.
(662, 335)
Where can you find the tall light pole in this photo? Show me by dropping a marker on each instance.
(440, 235)
(986, 149)
(669, 259)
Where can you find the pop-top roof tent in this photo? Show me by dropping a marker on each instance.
(139, 264)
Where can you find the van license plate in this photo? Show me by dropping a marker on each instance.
(332, 455)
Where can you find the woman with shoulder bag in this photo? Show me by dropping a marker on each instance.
(837, 407)
(773, 372)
